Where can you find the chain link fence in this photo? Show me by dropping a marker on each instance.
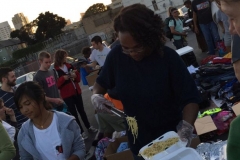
(30, 63)
(67, 41)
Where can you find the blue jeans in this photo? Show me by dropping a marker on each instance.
(178, 43)
(210, 33)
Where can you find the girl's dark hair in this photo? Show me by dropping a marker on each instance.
(144, 26)
(86, 50)
(58, 57)
(187, 2)
(32, 90)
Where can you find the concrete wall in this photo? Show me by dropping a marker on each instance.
(159, 7)
(102, 22)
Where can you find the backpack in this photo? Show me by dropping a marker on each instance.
(167, 29)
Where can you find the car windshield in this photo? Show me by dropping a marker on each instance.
(30, 76)
(21, 80)
(70, 60)
(184, 9)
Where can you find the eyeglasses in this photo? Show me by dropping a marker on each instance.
(139, 50)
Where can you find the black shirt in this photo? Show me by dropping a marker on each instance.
(117, 42)
(190, 13)
(47, 80)
(203, 10)
(154, 91)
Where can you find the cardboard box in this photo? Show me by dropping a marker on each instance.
(236, 109)
(91, 78)
(110, 152)
(204, 125)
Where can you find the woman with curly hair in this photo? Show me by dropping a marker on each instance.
(151, 80)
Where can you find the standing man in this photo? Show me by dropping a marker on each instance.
(176, 27)
(99, 53)
(8, 80)
(202, 14)
(222, 20)
(46, 78)
(199, 36)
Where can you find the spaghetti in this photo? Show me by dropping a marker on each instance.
(132, 123)
(159, 147)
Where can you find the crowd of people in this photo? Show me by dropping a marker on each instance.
(139, 75)
(204, 26)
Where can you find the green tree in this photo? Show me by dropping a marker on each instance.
(15, 34)
(22, 34)
(95, 9)
(48, 25)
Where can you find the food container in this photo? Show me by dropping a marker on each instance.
(177, 151)
(223, 152)
(184, 153)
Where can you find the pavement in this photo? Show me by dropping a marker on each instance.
(86, 93)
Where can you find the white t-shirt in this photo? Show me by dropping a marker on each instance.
(99, 56)
(64, 69)
(48, 142)
(10, 130)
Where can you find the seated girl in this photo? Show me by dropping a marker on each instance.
(48, 135)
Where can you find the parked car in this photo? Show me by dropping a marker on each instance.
(183, 11)
(105, 43)
(24, 78)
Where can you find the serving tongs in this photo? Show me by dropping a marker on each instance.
(116, 111)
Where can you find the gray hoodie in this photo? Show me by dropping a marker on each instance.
(69, 132)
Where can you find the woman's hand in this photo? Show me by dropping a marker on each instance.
(66, 77)
(73, 75)
(9, 112)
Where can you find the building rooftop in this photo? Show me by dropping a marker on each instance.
(9, 42)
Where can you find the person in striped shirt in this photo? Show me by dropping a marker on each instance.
(8, 80)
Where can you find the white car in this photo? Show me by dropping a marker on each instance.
(183, 11)
(24, 78)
